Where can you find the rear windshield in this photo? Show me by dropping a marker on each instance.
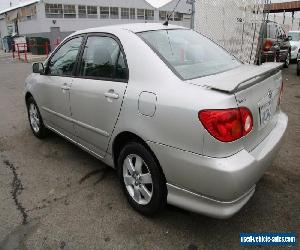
(188, 53)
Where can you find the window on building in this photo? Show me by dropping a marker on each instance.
(162, 15)
(141, 14)
(103, 58)
(54, 10)
(178, 16)
(69, 11)
(114, 12)
(63, 61)
(124, 13)
(92, 12)
(170, 15)
(132, 13)
(27, 13)
(104, 12)
(149, 14)
(82, 11)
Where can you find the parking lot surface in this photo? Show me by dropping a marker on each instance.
(55, 196)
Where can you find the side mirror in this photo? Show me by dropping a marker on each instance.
(38, 68)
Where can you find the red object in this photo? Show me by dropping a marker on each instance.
(227, 125)
(46, 48)
(267, 45)
(18, 51)
(25, 52)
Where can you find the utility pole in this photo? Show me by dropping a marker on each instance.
(192, 2)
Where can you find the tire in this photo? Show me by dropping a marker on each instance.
(35, 119)
(287, 60)
(146, 193)
(298, 67)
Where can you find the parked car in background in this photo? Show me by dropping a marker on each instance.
(181, 120)
(294, 37)
(275, 44)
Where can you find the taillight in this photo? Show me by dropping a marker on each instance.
(267, 45)
(227, 125)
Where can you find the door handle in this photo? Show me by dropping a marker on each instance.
(111, 94)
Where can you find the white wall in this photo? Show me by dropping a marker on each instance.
(3, 28)
(43, 24)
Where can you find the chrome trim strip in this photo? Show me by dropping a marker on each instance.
(75, 142)
(81, 124)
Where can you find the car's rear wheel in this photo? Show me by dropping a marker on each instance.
(298, 67)
(35, 119)
(142, 179)
(287, 60)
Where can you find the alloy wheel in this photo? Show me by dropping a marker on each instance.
(137, 179)
(34, 117)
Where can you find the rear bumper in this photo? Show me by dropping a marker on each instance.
(272, 56)
(217, 187)
(201, 204)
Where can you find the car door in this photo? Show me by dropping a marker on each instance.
(97, 91)
(54, 95)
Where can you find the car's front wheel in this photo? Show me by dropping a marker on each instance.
(35, 119)
(142, 179)
(298, 67)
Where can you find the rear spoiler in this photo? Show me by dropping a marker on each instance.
(256, 79)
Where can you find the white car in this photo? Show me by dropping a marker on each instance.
(294, 37)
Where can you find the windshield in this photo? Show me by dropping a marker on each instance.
(294, 35)
(188, 53)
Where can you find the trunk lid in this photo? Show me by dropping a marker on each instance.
(255, 87)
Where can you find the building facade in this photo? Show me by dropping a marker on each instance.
(55, 19)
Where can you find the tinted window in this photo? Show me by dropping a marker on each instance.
(103, 58)
(188, 53)
(64, 59)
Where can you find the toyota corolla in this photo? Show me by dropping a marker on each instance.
(181, 120)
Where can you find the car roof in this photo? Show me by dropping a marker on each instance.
(134, 27)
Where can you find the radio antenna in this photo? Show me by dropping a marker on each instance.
(166, 23)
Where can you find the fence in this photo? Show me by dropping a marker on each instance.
(20, 49)
(233, 24)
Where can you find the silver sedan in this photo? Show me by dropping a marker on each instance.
(182, 121)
